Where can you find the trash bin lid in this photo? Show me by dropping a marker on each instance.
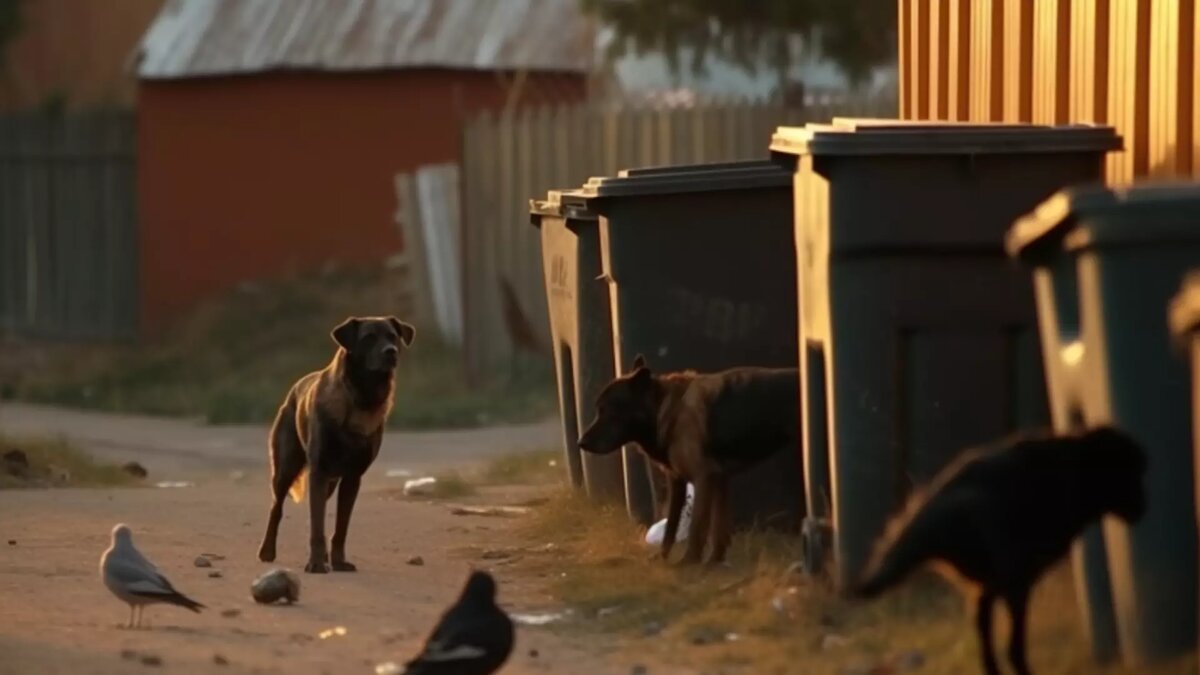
(868, 136)
(688, 178)
(558, 204)
(1150, 213)
(1084, 216)
(1184, 313)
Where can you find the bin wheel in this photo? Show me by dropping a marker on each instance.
(812, 547)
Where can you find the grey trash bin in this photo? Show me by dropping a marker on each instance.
(581, 332)
(1105, 263)
(919, 335)
(702, 276)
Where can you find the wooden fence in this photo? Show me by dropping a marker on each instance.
(1128, 63)
(508, 160)
(68, 227)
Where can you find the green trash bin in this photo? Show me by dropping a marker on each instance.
(1105, 264)
(1185, 327)
(702, 276)
(581, 334)
(918, 333)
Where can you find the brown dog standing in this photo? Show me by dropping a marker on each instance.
(329, 429)
(700, 428)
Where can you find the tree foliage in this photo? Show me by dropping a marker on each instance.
(856, 35)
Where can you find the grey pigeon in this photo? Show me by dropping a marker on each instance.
(474, 636)
(135, 580)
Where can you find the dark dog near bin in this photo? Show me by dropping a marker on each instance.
(700, 428)
(1000, 516)
(328, 432)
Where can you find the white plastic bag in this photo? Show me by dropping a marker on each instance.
(657, 531)
(419, 486)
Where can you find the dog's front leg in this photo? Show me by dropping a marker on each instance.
(701, 513)
(676, 495)
(318, 494)
(722, 519)
(347, 494)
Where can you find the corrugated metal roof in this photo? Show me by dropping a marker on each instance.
(195, 38)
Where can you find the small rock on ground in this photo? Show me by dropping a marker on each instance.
(151, 660)
(705, 635)
(215, 574)
(16, 459)
(416, 561)
(134, 469)
(220, 660)
(910, 661)
(201, 561)
(231, 613)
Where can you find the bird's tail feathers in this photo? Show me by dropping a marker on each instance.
(185, 602)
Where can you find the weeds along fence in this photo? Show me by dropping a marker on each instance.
(511, 158)
(68, 227)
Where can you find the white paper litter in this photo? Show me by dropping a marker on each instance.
(419, 486)
(539, 618)
(657, 531)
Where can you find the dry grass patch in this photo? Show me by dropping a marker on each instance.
(758, 616)
(53, 462)
(534, 467)
(451, 485)
(232, 360)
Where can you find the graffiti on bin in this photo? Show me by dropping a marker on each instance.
(560, 278)
(720, 320)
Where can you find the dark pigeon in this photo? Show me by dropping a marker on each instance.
(473, 637)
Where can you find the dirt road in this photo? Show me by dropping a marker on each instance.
(56, 617)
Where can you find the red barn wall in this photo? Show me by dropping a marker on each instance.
(260, 176)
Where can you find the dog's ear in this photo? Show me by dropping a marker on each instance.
(346, 333)
(641, 375)
(404, 330)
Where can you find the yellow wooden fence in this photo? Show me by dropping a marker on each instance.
(1129, 63)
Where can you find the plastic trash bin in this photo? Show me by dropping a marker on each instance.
(581, 332)
(1105, 263)
(918, 333)
(702, 276)
(1185, 326)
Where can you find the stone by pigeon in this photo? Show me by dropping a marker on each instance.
(135, 580)
(473, 637)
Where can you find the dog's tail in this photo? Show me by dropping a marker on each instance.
(299, 486)
(903, 548)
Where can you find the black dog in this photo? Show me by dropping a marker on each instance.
(330, 427)
(1001, 516)
(701, 428)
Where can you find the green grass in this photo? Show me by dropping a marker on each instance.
(54, 462)
(233, 360)
(619, 587)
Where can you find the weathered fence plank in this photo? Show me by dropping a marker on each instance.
(519, 156)
(68, 227)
